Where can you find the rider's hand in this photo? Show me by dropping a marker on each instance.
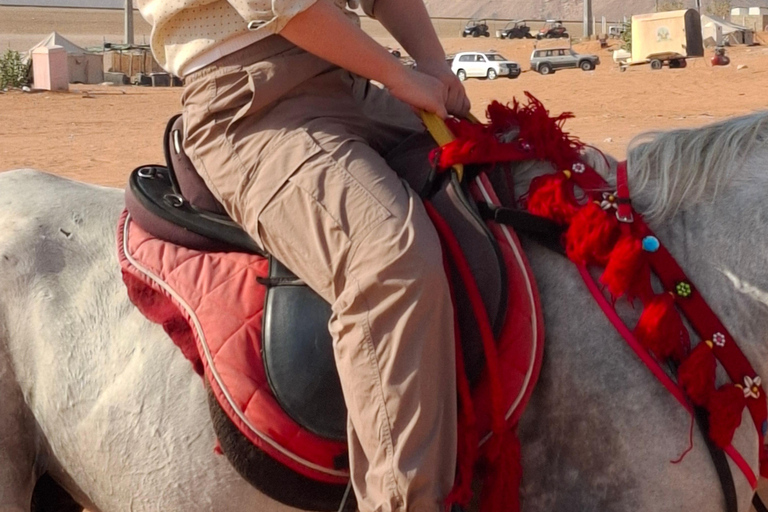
(421, 91)
(457, 102)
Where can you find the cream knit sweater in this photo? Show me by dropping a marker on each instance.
(188, 34)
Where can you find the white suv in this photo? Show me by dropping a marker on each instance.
(480, 64)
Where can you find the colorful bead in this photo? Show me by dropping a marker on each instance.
(751, 387)
(683, 289)
(719, 339)
(609, 201)
(579, 167)
(651, 244)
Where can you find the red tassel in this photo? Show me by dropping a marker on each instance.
(697, 374)
(502, 476)
(627, 271)
(549, 197)
(661, 330)
(591, 236)
(725, 407)
(468, 438)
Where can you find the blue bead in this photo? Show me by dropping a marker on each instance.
(651, 244)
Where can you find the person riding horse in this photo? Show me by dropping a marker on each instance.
(284, 126)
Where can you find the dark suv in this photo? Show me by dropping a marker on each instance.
(476, 28)
(515, 30)
(546, 61)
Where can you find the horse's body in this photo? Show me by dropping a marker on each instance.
(99, 398)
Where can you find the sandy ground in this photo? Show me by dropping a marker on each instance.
(100, 133)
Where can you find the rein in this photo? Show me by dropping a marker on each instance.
(602, 230)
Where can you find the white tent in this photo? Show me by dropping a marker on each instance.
(84, 67)
(717, 32)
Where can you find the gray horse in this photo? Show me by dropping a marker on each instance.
(98, 398)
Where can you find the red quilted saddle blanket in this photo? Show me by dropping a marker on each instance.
(211, 305)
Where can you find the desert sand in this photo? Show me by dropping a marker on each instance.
(99, 133)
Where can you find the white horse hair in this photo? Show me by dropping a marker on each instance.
(691, 164)
(100, 399)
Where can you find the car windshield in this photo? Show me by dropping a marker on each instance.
(495, 56)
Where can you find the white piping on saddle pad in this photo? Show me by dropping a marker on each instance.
(529, 291)
(212, 368)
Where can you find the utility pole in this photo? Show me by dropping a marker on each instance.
(587, 18)
(128, 39)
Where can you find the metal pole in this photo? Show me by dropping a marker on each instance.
(587, 18)
(128, 39)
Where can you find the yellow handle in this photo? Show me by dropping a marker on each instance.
(442, 135)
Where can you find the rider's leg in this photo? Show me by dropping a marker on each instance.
(305, 181)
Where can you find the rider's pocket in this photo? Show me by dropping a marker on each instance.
(321, 187)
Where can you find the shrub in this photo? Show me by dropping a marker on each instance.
(13, 71)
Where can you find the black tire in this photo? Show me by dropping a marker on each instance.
(475, 34)
(461, 74)
(502, 36)
(565, 35)
(586, 65)
(491, 75)
(546, 69)
(463, 34)
(656, 64)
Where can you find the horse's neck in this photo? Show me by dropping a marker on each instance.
(722, 245)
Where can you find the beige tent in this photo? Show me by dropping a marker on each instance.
(84, 67)
(717, 32)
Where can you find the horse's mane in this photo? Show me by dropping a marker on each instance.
(670, 168)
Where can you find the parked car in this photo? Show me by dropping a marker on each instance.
(483, 64)
(516, 29)
(552, 29)
(547, 61)
(476, 28)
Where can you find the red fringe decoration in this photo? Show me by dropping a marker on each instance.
(501, 482)
(550, 197)
(725, 409)
(543, 136)
(661, 330)
(627, 271)
(468, 439)
(697, 374)
(591, 236)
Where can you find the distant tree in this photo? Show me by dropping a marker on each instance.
(626, 37)
(13, 71)
(719, 8)
(670, 5)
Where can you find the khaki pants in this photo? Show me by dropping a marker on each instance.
(292, 148)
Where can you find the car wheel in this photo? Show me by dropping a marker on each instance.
(487, 34)
(502, 36)
(463, 34)
(475, 34)
(586, 66)
(656, 64)
(565, 35)
(545, 69)
(491, 74)
(461, 74)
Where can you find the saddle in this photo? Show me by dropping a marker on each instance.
(170, 208)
